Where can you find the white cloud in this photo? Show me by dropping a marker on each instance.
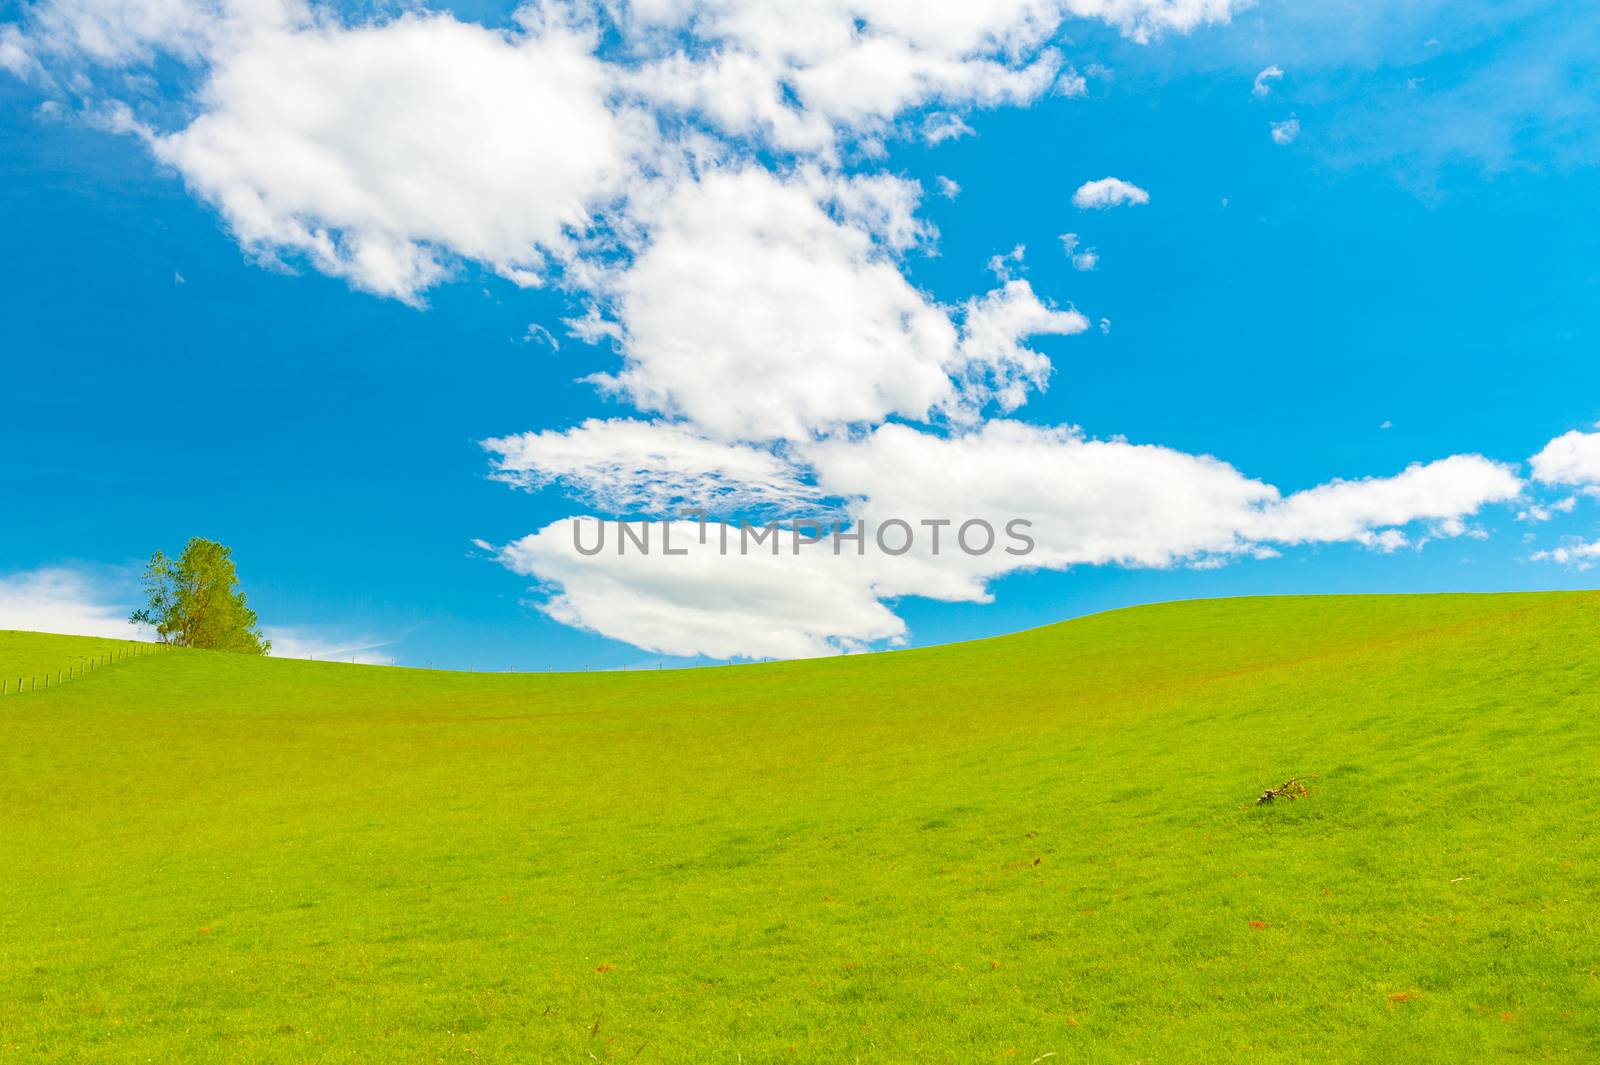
(64, 600)
(1578, 554)
(124, 32)
(1546, 511)
(1071, 83)
(992, 362)
(1573, 458)
(1108, 192)
(1003, 264)
(756, 314)
(943, 126)
(1442, 492)
(1086, 502)
(15, 56)
(1091, 502)
(948, 188)
(1082, 258)
(382, 153)
(1111, 502)
(634, 468)
(880, 204)
(1264, 80)
(703, 603)
(540, 335)
(864, 85)
(1286, 131)
(1144, 20)
(800, 74)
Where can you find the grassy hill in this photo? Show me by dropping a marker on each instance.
(989, 852)
(39, 657)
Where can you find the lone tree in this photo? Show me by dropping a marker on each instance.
(195, 601)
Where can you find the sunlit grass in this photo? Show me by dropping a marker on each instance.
(35, 660)
(1043, 844)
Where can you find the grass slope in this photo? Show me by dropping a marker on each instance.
(38, 656)
(990, 852)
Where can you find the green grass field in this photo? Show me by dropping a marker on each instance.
(44, 659)
(1045, 844)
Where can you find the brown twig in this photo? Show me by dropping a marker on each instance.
(1291, 789)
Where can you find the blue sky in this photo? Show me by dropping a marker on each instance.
(1411, 276)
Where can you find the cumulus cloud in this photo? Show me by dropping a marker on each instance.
(1108, 192)
(756, 313)
(755, 605)
(383, 153)
(1112, 502)
(992, 361)
(1090, 502)
(1443, 492)
(65, 600)
(800, 75)
(1080, 501)
(1573, 458)
(1264, 80)
(1286, 131)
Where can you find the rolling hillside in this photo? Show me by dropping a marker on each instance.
(42, 659)
(1045, 844)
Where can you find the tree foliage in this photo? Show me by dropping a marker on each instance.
(195, 601)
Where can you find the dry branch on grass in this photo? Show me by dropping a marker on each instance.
(1291, 789)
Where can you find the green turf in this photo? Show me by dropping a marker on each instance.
(34, 660)
(991, 852)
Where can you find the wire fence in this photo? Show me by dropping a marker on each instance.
(55, 678)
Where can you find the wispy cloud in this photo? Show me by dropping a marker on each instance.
(1082, 258)
(1263, 83)
(311, 642)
